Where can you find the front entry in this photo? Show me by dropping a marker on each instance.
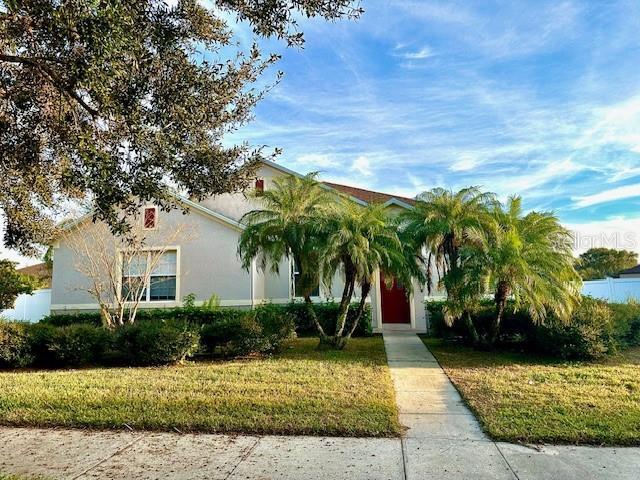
(394, 302)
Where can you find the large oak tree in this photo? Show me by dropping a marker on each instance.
(117, 99)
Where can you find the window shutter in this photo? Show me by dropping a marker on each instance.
(150, 217)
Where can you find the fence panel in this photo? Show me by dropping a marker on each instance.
(30, 308)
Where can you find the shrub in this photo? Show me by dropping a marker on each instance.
(626, 323)
(155, 343)
(262, 330)
(80, 344)
(64, 319)
(15, 350)
(589, 334)
(327, 314)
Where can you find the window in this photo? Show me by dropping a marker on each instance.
(259, 185)
(150, 217)
(154, 286)
(297, 290)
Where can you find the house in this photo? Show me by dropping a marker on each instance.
(208, 263)
(633, 272)
(40, 271)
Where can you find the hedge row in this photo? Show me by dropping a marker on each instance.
(327, 314)
(596, 329)
(146, 342)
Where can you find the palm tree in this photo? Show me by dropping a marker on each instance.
(360, 242)
(290, 225)
(442, 223)
(529, 258)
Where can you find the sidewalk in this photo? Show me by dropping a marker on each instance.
(443, 440)
(77, 454)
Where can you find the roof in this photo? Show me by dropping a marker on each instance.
(630, 271)
(40, 271)
(369, 196)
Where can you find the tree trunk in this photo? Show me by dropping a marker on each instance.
(347, 294)
(500, 298)
(471, 328)
(324, 338)
(364, 292)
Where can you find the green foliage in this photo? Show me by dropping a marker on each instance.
(626, 323)
(262, 330)
(595, 329)
(321, 233)
(110, 100)
(156, 343)
(189, 301)
(15, 348)
(13, 284)
(326, 313)
(212, 304)
(76, 345)
(589, 334)
(598, 263)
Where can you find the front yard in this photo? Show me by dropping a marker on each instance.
(300, 391)
(520, 398)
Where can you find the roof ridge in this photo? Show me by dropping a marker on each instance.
(390, 195)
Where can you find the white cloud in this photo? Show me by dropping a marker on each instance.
(465, 164)
(362, 165)
(621, 234)
(424, 52)
(619, 193)
(313, 161)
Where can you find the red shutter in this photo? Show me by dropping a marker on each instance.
(259, 185)
(150, 217)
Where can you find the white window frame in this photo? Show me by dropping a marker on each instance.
(157, 219)
(146, 300)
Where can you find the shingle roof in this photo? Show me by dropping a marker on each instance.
(629, 271)
(40, 271)
(368, 196)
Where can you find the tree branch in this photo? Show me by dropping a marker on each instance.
(53, 78)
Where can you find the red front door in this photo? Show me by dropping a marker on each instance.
(395, 302)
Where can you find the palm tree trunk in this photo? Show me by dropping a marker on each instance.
(471, 328)
(324, 338)
(364, 292)
(345, 301)
(500, 298)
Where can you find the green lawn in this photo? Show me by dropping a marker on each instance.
(301, 391)
(523, 398)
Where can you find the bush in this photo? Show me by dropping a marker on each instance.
(75, 345)
(589, 334)
(15, 350)
(327, 314)
(516, 325)
(155, 343)
(626, 323)
(262, 330)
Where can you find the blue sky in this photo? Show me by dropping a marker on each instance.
(538, 98)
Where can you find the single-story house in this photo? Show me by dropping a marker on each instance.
(208, 263)
(633, 272)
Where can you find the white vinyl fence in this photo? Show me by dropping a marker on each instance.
(616, 290)
(30, 308)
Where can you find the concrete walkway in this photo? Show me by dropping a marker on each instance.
(443, 440)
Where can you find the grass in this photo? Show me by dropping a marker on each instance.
(300, 391)
(522, 398)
